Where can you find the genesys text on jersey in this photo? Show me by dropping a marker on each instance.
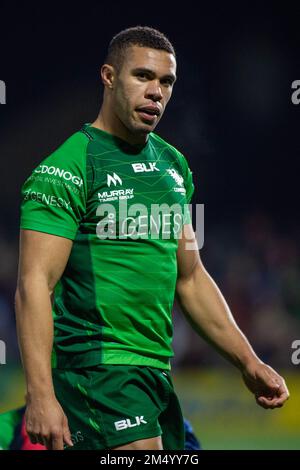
(47, 199)
(157, 221)
(139, 221)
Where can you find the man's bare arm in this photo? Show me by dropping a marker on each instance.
(209, 314)
(42, 260)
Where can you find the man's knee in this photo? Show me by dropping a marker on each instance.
(154, 443)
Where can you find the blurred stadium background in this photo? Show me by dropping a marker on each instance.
(232, 116)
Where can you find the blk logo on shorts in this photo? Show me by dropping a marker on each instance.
(126, 423)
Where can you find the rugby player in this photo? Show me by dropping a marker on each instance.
(97, 363)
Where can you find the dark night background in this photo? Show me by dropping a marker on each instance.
(231, 115)
(231, 111)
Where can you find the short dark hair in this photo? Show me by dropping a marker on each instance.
(142, 36)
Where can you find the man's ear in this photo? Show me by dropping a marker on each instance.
(108, 75)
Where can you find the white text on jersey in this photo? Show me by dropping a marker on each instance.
(141, 167)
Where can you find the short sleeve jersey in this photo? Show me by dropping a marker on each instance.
(123, 206)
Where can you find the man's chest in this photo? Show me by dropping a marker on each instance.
(143, 179)
(138, 189)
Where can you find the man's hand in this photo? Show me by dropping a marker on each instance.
(47, 424)
(268, 387)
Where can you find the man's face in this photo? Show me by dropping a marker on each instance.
(143, 87)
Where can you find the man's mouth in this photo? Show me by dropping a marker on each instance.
(149, 113)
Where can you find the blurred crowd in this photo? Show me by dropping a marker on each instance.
(256, 265)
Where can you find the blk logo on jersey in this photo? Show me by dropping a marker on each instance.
(114, 179)
(142, 167)
(126, 423)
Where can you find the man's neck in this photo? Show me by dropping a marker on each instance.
(117, 129)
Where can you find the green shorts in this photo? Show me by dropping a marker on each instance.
(109, 406)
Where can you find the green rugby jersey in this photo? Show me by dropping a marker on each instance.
(113, 303)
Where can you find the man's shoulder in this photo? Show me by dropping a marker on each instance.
(160, 142)
(75, 142)
(72, 150)
(163, 144)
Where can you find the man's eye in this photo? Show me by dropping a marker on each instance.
(143, 76)
(167, 82)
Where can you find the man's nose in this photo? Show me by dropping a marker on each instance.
(154, 91)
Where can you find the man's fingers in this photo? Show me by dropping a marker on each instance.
(283, 397)
(276, 386)
(283, 391)
(271, 382)
(270, 403)
(269, 388)
(266, 403)
(32, 438)
(56, 441)
(43, 439)
(276, 401)
(37, 439)
(67, 434)
(261, 403)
